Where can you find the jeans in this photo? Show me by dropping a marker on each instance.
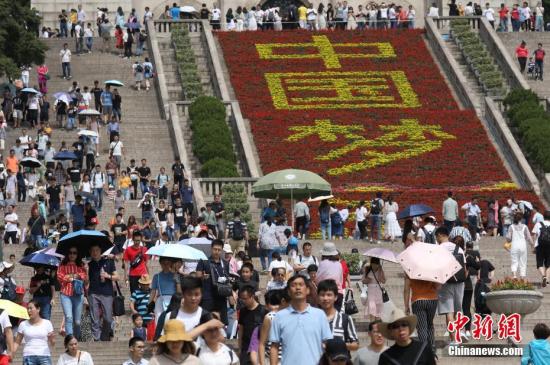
(98, 193)
(111, 179)
(503, 25)
(126, 193)
(539, 24)
(37, 360)
(36, 239)
(45, 306)
(71, 123)
(25, 79)
(540, 65)
(68, 206)
(449, 224)
(265, 253)
(102, 315)
(63, 30)
(72, 311)
(89, 43)
(515, 25)
(143, 187)
(79, 45)
(376, 222)
(54, 207)
(326, 231)
(66, 67)
(231, 319)
(139, 49)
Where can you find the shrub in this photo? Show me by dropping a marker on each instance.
(524, 110)
(527, 124)
(219, 167)
(187, 68)
(512, 284)
(211, 150)
(354, 262)
(234, 198)
(520, 95)
(207, 107)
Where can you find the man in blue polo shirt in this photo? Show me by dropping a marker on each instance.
(299, 328)
(175, 12)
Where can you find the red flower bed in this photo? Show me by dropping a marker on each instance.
(393, 123)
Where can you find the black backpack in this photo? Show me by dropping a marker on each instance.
(544, 236)
(238, 231)
(8, 292)
(429, 237)
(139, 68)
(3, 344)
(460, 276)
(375, 207)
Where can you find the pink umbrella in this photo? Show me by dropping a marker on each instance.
(429, 262)
(381, 253)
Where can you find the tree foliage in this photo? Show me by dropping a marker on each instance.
(19, 43)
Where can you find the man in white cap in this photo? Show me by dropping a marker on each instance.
(398, 327)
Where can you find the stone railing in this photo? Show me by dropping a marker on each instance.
(444, 22)
(214, 186)
(160, 81)
(165, 25)
(503, 59)
(448, 62)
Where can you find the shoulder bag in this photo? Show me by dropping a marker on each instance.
(349, 303)
(223, 289)
(118, 302)
(385, 296)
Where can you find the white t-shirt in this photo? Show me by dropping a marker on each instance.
(489, 14)
(11, 227)
(85, 359)
(216, 14)
(88, 33)
(116, 147)
(537, 217)
(451, 247)
(65, 55)
(36, 337)
(224, 355)
(305, 261)
(4, 323)
(190, 320)
(360, 214)
(472, 209)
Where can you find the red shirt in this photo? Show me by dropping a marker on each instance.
(66, 269)
(503, 12)
(522, 52)
(130, 254)
(539, 55)
(345, 273)
(515, 14)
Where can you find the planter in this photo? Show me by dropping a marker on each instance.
(514, 301)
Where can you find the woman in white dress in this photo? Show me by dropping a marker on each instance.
(391, 226)
(239, 19)
(278, 24)
(252, 24)
(352, 22)
(321, 18)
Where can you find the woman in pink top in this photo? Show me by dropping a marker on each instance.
(43, 78)
(522, 53)
(331, 268)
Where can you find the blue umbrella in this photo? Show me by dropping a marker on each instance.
(65, 155)
(414, 210)
(177, 251)
(30, 90)
(83, 240)
(40, 259)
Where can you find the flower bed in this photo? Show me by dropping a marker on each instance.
(369, 111)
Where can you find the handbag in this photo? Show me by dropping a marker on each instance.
(350, 307)
(385, 296)
(78, 287)
(118, 302)
(222, 289)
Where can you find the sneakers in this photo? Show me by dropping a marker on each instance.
(465, 339)
(468, 334)
(544, 282)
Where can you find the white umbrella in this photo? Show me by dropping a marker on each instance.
(87, 133)
(89, 112)
(178, 251)
(320, 198)
(188, 9)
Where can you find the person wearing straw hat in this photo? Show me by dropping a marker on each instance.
(398, 327)
(175, 346)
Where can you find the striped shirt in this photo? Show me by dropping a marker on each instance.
(342, 327)
(140, 300)
(460, 231)
(69, 269)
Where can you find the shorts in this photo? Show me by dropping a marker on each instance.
(543, 256)
(237, 245)
(107, 109)
(18, 114)
(450, 298)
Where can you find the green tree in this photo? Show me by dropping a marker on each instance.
(19, 43)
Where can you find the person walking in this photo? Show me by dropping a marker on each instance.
(361, 214)
(38, 335)
(539, 60)
(450, 211)
(516, 242)
(42, 288)
(522, 53)
(72, 275)
(376, 210)
(537, 351)
(391, 225)
(74, 356)
(65, 55)
(299, 329)
(541, 237)
(373, 277)
(175, 347)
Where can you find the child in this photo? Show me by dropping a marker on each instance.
(531, 67)
(538, 350)
(111, 193)
(71, 117)
(292, 244)
(139, 301)
(138, 330)
(62, 226)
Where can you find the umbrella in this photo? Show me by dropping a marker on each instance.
(291, 183)
(178, 251)
(414, 210)
(30, 162)
(188, 9)
(320, 198)
(382, 254)
(9, 87)
(429, 262)
(13, 309)
(30, 90)
(64, 97)
(527, 204)
(200, 243)
(89, 112)
(40, 259)
(65, 155)
(51, 252)
(114, 83)
(82, 240)
(87, 132)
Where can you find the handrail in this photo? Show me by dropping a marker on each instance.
(160, 82)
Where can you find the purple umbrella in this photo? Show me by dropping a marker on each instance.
(382, 254)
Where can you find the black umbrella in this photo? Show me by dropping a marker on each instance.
(30, 162)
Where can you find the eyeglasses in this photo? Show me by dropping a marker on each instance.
(398, 325)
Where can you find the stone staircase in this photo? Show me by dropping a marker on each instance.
(512, 40)
(143, 132)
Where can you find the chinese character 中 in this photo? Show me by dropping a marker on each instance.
(457, 325)
(341, 90)
(326, 51)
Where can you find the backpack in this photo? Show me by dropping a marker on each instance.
(324, 215)
(147, 69)
(139, 68)
(314, 259)
(81, 33)
(8, 292)
(429, 237)
(270, 16)
(375, 207)
(544, 236)
(460, 276)
(336, 218)
(238, 231)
